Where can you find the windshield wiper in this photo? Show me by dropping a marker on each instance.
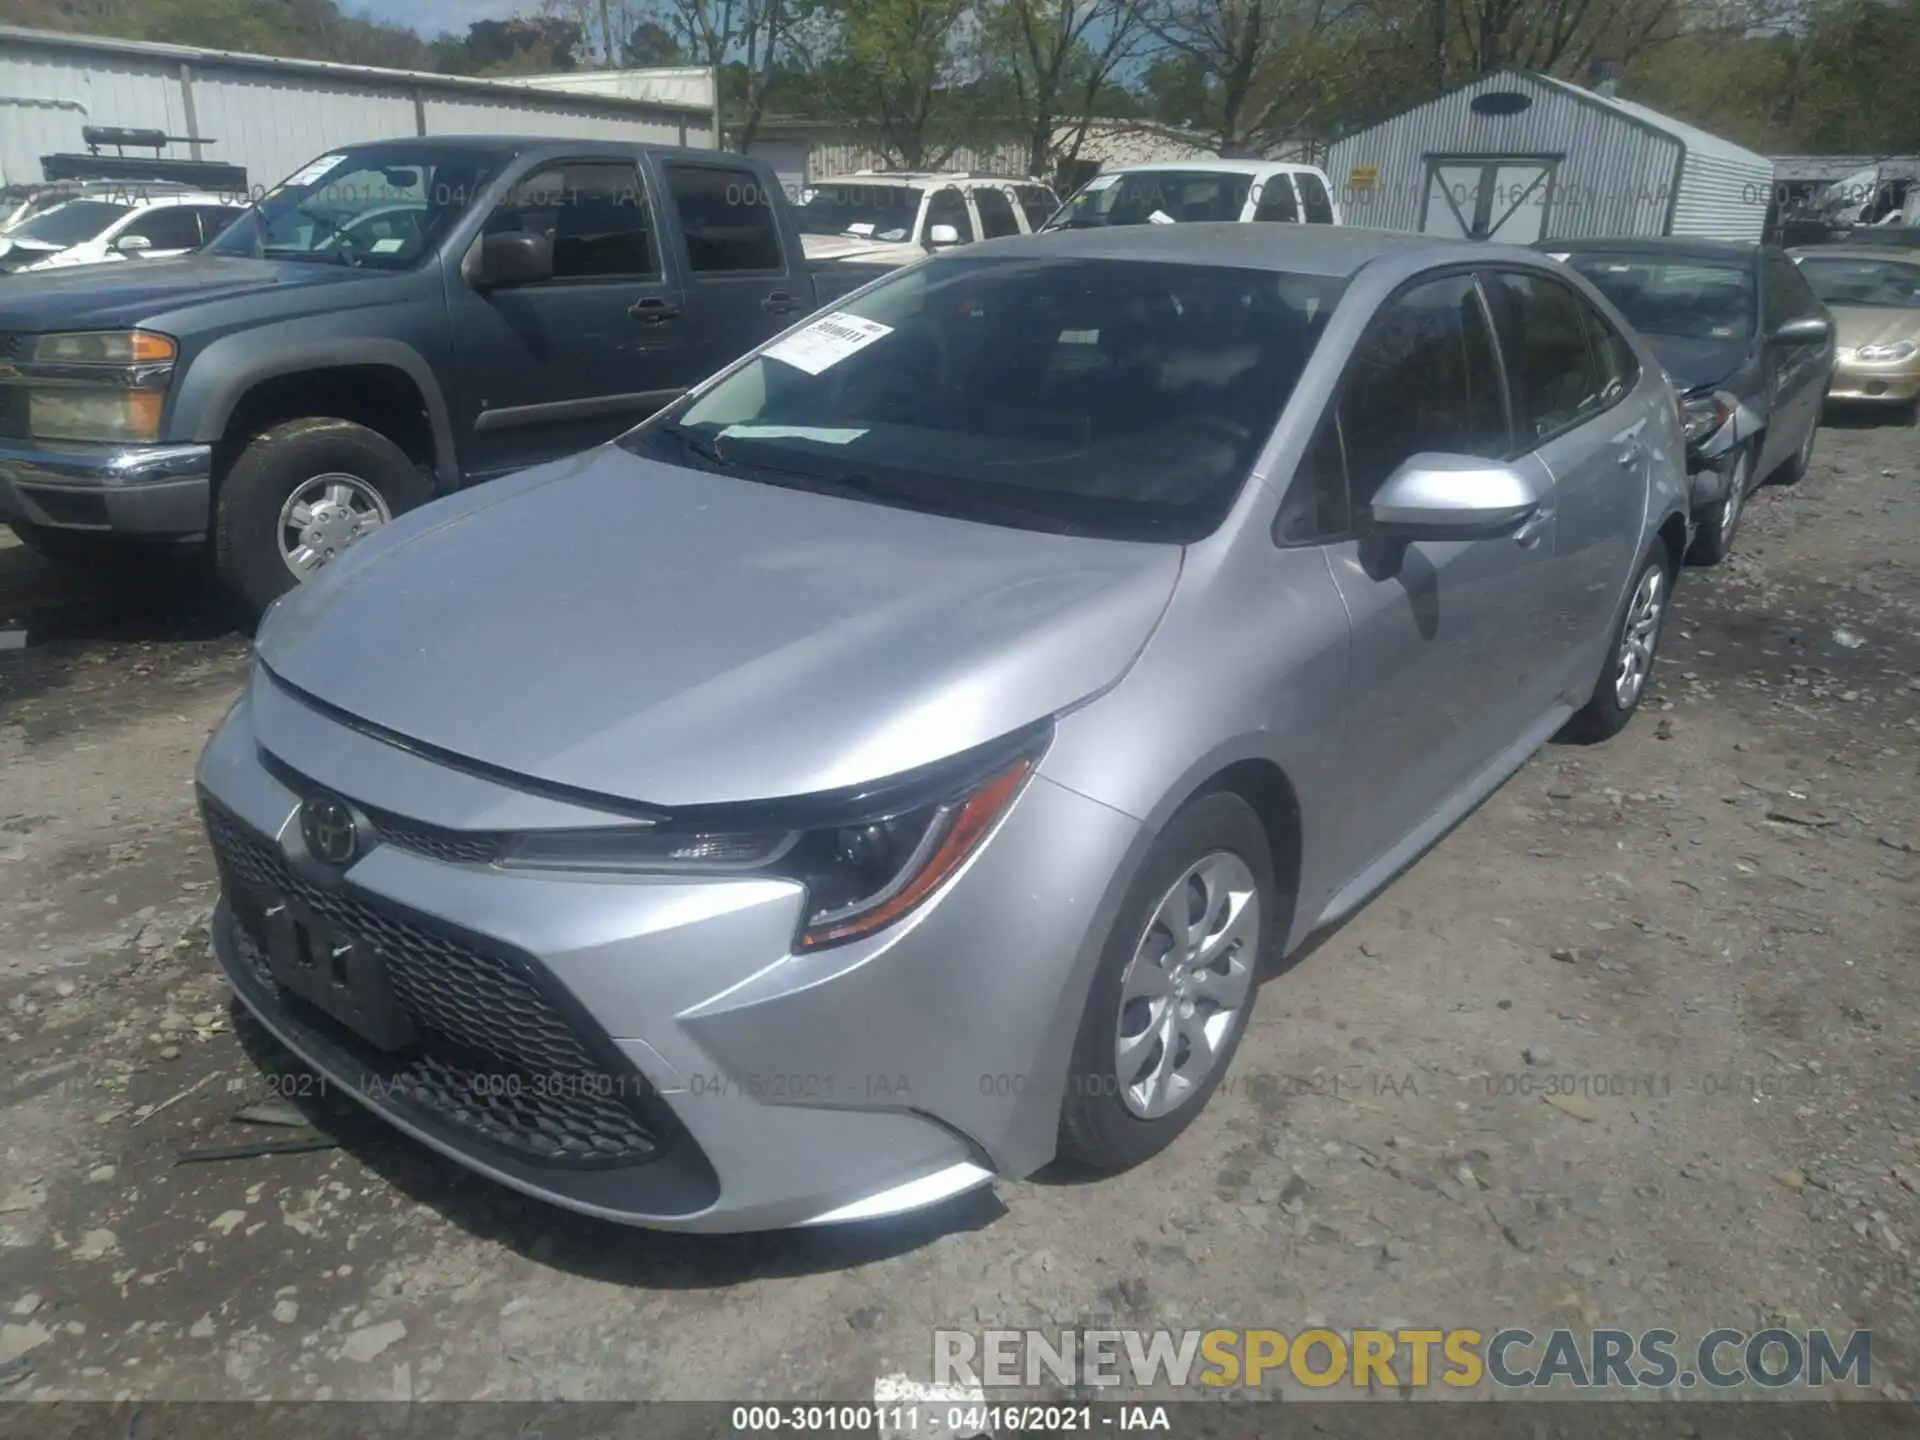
(695, 444)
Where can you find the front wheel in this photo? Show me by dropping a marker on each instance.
(1623, 680)
(299, 495)
(1795, 470)
(1714, 540)
(1175, 985)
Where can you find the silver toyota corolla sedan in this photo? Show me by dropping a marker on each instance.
(890, 767)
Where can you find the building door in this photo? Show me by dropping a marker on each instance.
(1487, 199)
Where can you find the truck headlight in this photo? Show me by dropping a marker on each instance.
(75, 412)
(1880, 354)
(104, 347)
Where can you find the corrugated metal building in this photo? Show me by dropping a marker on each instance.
(1517, 156)
(273, 115)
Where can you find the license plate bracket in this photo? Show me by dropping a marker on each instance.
(338, 973)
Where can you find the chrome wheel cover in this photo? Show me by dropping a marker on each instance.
(1732, 506)
(1639, 636)
(323, 516)
(1185, 991)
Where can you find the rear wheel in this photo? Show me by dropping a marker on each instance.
(1713, 541)
(299, 495)
(1174, 987)
(1629, 665)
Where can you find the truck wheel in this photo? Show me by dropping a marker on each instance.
(301, 493)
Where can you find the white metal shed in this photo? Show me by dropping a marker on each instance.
(272, 115)
(1518, 156)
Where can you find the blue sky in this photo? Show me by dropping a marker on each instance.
(430, 17)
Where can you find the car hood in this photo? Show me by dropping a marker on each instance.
(1857, 325)
(675, 637)
(853, 247)
(86, 297)
(1693, 363)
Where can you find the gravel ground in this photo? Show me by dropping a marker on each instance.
(1704, 933)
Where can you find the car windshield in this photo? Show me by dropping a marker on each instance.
(1877, 284)
(383, 207)
(1684, 299)
(880, 212)
(69, 223)
(1154, 197)
(1117, 398)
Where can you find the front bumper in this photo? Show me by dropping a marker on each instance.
(1856, 383)
(156, 491)
(647, 1049)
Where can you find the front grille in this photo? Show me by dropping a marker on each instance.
(455, 847)
(12, 345)
(497, 1057)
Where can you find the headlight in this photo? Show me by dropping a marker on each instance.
(1704, 415)
(1878, 354)
(77, 413)
(104, 347)
(863, 868)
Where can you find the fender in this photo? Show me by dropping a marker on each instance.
(219, 377)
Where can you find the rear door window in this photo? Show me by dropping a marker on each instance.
(1314, 198)
(1277, 201)
(727, 218)
(996, 213)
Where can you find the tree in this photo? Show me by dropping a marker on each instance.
(1064, 55)
(649, 45)
(523, 45)
(754, 35)
(898, 73)
(1251, 73)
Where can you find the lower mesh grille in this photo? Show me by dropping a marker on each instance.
(497, 1058)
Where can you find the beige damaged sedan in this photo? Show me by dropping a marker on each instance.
(1874, 295)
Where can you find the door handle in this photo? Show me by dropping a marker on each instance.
(779, 303)
(1532, 528)
(1630, 457)
(652, 310)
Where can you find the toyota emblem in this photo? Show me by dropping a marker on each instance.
(329, 828)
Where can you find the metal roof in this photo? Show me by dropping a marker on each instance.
(364, 74)
(1697, 141)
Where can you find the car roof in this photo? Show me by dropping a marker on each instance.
(921, 179)
(1332, 250)
(1215, 165)
(1658, 247)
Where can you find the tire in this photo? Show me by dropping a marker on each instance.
(295, 456)
(1713, 541)
(1607, 712)
(1100, 1127)
(1795, 470)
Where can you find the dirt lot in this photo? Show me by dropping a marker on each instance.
(1706, 931)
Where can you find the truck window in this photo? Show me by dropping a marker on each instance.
(996, 213)
(1314, 198)
(1276, 201)
(727, 217)
(593, 212)
(1039, 203)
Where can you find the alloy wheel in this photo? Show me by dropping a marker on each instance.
(1639, 636)
(1187, 987)
(323, 516)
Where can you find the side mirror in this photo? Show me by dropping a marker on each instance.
(943, 235)
(1807, 330)
(132, 244)
(508, 259)
(1453, 497)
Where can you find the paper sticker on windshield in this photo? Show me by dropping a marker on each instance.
(1100, 182)
(1559, 254)
(827, 342)
(819, 434)
(1160, 217)
(387, 246)
(312, 171)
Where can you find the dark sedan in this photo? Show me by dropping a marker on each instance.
(1746, 342)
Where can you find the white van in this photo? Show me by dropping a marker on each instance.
(1190, 191)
